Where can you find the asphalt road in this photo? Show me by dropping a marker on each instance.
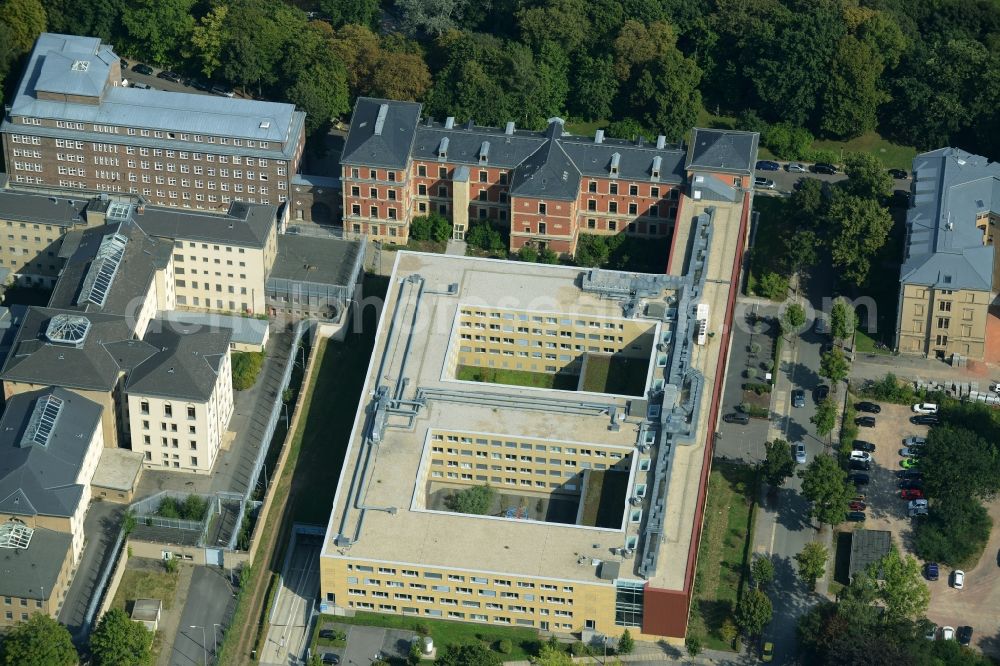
(287, 637)
(207, 607)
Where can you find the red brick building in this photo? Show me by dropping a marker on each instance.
(546, 187)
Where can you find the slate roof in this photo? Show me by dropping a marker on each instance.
(245, 330)
(310, 259)
(244, 224)
(867, 547)
(723, 150)
(944, 248)
(133, 280)
(186, 363)
(41, 209)
(94, 365)
(390, 147)
(50, 69)
(705, 186)
(32, 573)
(548, 173)
(37, 479)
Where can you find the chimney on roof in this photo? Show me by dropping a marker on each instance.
(599, 136)
(661, 142)
(468, 124)
(449, 122)
(383, 111)
(510, 128)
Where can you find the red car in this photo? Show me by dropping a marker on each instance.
(858, 505)
(911, 494)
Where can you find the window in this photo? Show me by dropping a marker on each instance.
(168, 409)
(190, 412)
(542, 228)
(422, 170)
(592, 186)
(542, 208)
(944, 306)
(613, 188)
(483, 177)
(612, 206)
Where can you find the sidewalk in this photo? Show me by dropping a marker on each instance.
(655, 653)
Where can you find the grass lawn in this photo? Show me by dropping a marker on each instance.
(585, 127)
(892, 155)
(564, 382)
(525, 641)
(620, 376)
(144, 584)
(725, 546)
(774, 225)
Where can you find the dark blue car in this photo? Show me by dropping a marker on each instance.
(931, 571)
(767, 165)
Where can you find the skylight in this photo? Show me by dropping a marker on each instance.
(103, 270)
(81, 65)
(43, 420)
(15, 534)
(118, 211)
(68, 329)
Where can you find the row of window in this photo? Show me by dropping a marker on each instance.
(456, 615)
(159, 134)
(456, 578)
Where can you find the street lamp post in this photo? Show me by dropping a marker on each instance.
(204, 647)
(215, 638)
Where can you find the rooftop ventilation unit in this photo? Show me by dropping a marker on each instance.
(383, 111)
(599, 136)
(102, 270)
(661, 142)
(449, 122)
(509, 130)
(265, 124)
(68, 329)
(43, 421)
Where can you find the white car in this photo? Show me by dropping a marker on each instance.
(863, 456)
(917, 504)
(958, 579)
(925, 408)
(800, 453)
(947, 633)
(913, 441)
(795, 167)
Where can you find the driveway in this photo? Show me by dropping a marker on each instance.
(209, 606)
(101, 527)
(365, 644)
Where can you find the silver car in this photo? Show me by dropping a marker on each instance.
(800, 453)
(795, 167)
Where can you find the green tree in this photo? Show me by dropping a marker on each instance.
(693, 645)
(762, 571)
(834, 365)
(793, 318)
(956, 530)
(665, 95)
(430, 17)
(901, 589)
(772, 286)
(39, 641)
(206, 39)
(957, 462)
(564, 22)
(158, 29)
(728, 631)
(120, 641)
(552, 654)
(753, 612)
(258, 36)
(475, 500)
(468, 654)
(867, 176)
(801, 249)
(843, 320)
(825, 417)
(358, 12)
(548, 256)
(26, 20)
(859, 228)
(626, 644)
(528, 253)
(824, 485)
(629, 129)
(812, 563)
(854, 90)
(99, 18)
(594, 88)
(778, 464)
(787, 141)
(322, 93)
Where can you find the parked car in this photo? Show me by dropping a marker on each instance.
(861, 465)
(142, 69)
(142, 86)
(124, 64)
(198, 84)
(910, 474)
(866, 421)
(964, 634)
(911, 494)
(330, 658)
(767, 652)
(947, 633)
(795, 167)
(898, 174)
(913, 441)
(870, 407)
(767, 165)
(907, 452)
(860, 497)
(916, 506)
(957, 576)
(911, 484)
(862, 445)
(821, 392)
(741, 419)
(820, 326)
(924, 419)
(328, 634)
(763, 183)
(857, 505)
(863, 456)
(931, 632)
(219, 89)
(169, 76)
(856, 516)
(825, 168)
(859, 479)
(800, 452)
(925, 408)
(909, 463)
(798, 398)
(931, 571)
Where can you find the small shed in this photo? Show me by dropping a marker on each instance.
(147, 611)
(867, 547)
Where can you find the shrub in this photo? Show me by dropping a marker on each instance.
(626, 643)
(433, 227)
(757, 388)
(547, 256)
(771, 286)
(787, 142)
(476, 500)
(504, 646)
(578, 649)
(246, 367)
(423, 629)
(629, 129)
(415, 654)
(170, 565)
(484, 236)
(528, 254)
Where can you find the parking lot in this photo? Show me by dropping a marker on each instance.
(978, 604)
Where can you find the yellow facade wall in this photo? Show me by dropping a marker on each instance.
(941, 322)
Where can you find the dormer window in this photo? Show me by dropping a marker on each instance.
(615, 160)
(655, 171)
(484, 152)
(442, 151)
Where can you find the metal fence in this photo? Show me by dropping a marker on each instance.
(272, 424)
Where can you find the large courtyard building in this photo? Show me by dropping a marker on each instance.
(546, 187)
(951, 268)
(74, 124)
(585, 399)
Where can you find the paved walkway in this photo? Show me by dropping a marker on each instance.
(662, 653)
(170, 620)
(455, 248)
